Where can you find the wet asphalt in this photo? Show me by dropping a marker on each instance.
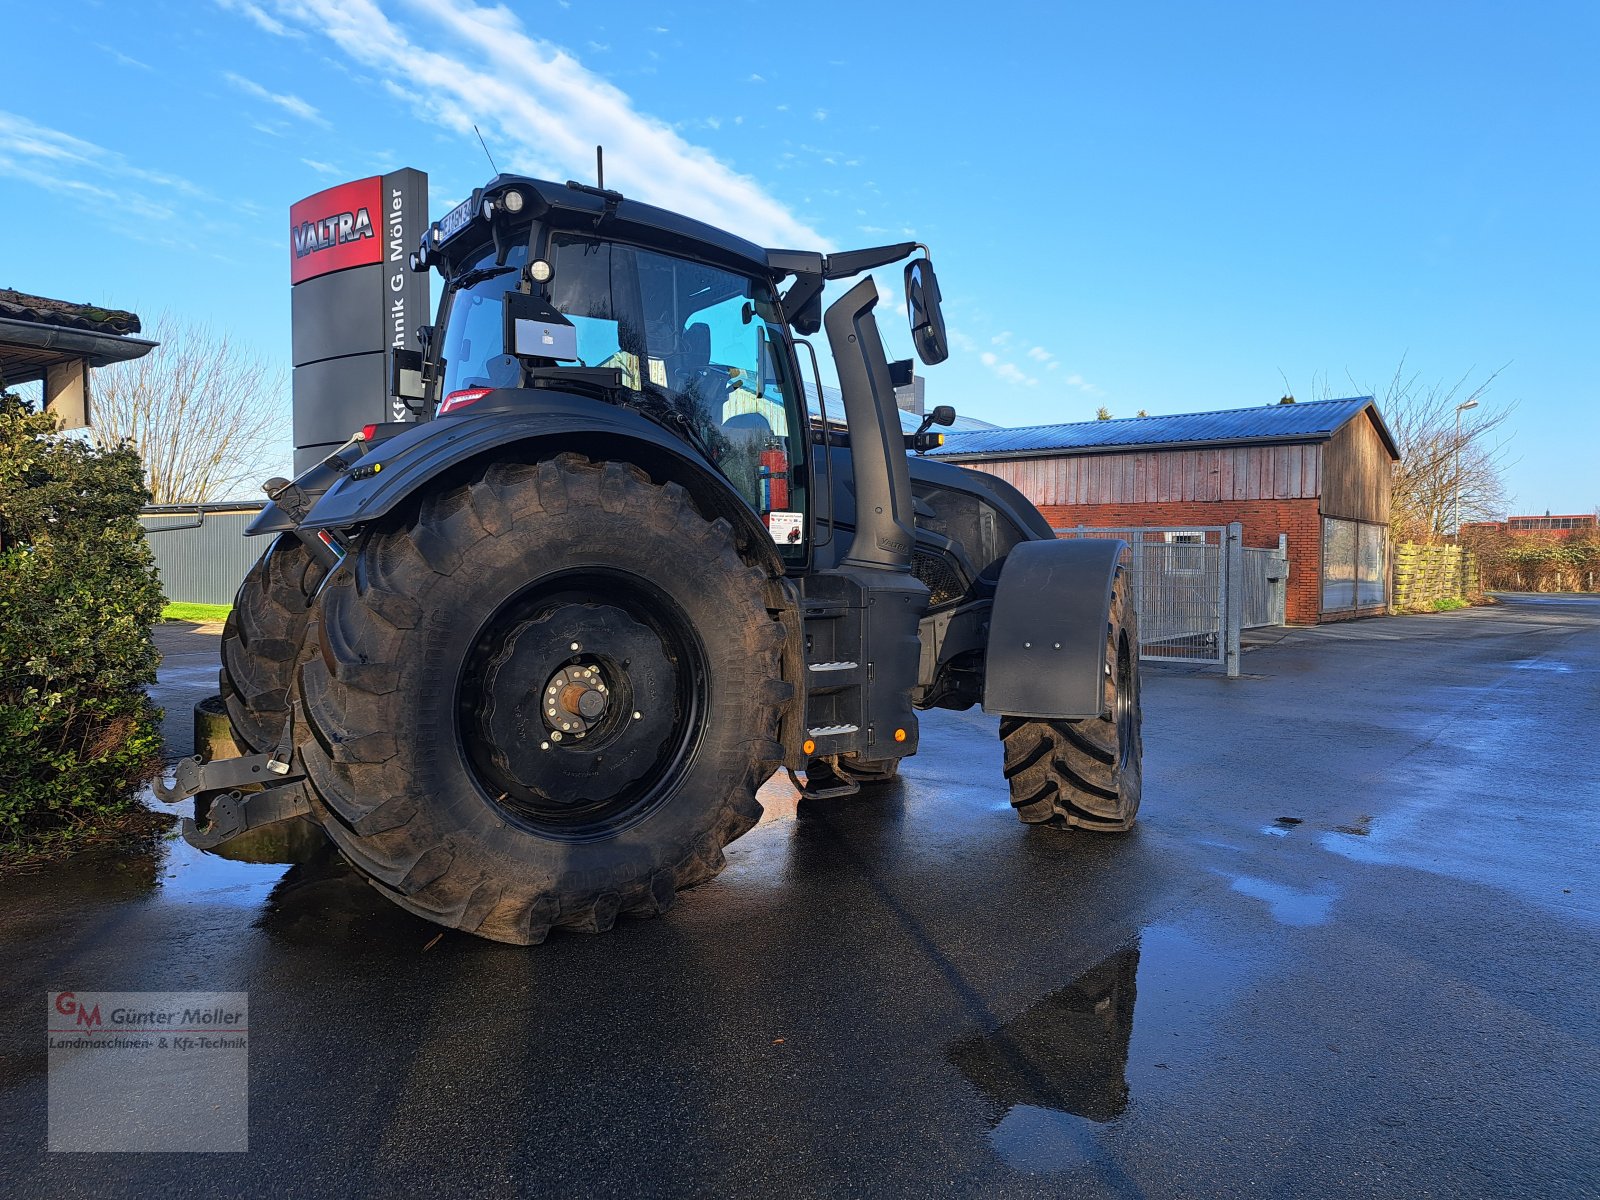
(1350, 950)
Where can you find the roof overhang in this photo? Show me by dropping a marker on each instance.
(29, 348)
(1125, 448)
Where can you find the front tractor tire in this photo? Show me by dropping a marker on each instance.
(545, 700)
(1087, 773)
(262, 640)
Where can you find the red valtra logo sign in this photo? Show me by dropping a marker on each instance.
(335, 229)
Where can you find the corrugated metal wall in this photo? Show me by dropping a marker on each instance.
(201, 552)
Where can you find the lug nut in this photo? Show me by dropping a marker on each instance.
(555, 735)
(638, 716)
(575, 646)
(544, 745)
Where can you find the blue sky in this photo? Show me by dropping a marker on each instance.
(1172, 207)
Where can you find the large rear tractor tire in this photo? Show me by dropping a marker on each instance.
(1086, 773)
(262, 640)
(545, 700)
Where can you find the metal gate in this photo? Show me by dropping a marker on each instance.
(1195, 587)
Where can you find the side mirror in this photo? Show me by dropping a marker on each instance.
(941, 415)
(406, 381)
(927, 317)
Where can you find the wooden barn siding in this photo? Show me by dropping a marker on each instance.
(1167, 476)
(1357, 474)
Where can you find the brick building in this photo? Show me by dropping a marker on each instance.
(1560, 526)
(1318, 472)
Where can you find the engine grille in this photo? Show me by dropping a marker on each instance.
(940, 574)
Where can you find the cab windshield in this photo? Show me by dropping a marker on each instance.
(698, 348)
(701, 349)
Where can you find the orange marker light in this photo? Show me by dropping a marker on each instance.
(808, 746)
(899, 735)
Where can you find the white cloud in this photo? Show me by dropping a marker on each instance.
(1040, 354)
(756, 79)
(122, 58)
(30, 147)
(322, 167)
(260, 18)
(290, 104)
(819, 114)
(1003, 338)
(1009, 372)
(481, 64)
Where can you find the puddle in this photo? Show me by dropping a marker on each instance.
(1064, 1073)
(1289, 906)
(1068, 1052)
(190, 876)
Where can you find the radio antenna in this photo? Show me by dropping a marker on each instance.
(600, 167)
(485, 146)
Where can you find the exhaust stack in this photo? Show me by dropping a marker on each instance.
(885, 525)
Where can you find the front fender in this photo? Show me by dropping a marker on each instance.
(1047, 633)
(395, 469)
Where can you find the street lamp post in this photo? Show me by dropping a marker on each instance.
(1455, 501)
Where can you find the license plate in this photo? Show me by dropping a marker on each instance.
(457, 219)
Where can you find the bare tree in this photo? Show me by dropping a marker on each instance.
(209, 418)
(1452, 452)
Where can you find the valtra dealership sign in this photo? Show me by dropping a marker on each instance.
(336, 229)
(353, 303)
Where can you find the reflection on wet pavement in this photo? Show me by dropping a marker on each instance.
(1062, 1060)
(325, 902)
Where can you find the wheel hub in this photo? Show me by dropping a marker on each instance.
(575, 706)
(575, 699)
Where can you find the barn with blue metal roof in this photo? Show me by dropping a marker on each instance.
(1317, 474)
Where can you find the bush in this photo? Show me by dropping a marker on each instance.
(78, 595)
(1540, 562)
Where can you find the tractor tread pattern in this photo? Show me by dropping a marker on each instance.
(262, 640)
(377, 811)
(1067, 772)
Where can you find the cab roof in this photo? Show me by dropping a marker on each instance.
(579, 206)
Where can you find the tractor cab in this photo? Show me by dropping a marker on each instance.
(577, 289)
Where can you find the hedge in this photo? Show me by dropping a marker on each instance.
(78, 595)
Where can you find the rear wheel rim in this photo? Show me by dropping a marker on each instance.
(1125, 707)
(554, 760)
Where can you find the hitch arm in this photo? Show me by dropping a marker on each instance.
(194, 775)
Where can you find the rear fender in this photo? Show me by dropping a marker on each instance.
(395, 470)
(1047, 632)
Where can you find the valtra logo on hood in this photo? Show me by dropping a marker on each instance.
(334, 230)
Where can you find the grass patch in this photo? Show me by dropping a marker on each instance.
(1449, 604)
(199, 613)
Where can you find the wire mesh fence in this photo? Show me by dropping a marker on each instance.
(1196, 587)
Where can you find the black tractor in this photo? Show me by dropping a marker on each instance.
(527, 660)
